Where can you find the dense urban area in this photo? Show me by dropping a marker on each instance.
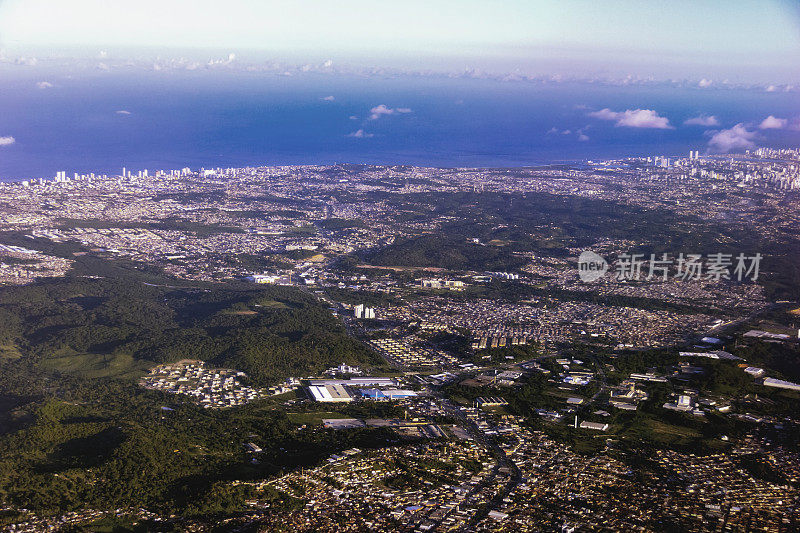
(393, 348)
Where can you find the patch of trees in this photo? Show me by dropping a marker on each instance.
(222, 324)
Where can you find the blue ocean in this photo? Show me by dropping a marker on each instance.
(100, 122)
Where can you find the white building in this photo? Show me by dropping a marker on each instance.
(684, 403)
(329, 393)
(780, 384)
(361, 311)
(594, 425)
(754, 371)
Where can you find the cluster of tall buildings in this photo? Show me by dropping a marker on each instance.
(159, 173)
(665, 162)
(361, 311)
(61, 177)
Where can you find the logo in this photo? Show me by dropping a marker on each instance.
(591, 266)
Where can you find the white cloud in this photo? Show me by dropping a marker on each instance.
(583, 137)
(383, 110)
(353, 117)
(328, 98)
(26, 61)
(735, 138)
(7, 140)
(776, 88)
(360, 134)
(773, 123)
(634, 118)
(705, 83)
(44, 85)
(605, 114)
(123, 112)
(702, 120)
(380, 110)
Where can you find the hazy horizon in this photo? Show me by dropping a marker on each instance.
(743, 41)
(90, 85)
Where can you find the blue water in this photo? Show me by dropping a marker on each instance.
(236, 119)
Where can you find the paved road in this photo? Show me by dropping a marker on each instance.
(489, 445)
(727, 326)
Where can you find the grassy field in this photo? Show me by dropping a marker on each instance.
(660, 433)
(270, 304)
(98, 365)
(116, 525)
(243, 312)
(313, 418)
(663, 431)
(9, 351)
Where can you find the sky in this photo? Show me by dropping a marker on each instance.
(94, 85)
(740, 40)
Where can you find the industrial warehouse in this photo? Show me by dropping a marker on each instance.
(346, 390)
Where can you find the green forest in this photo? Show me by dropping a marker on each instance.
(120, 326)
(77, 431)
(108, 444)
